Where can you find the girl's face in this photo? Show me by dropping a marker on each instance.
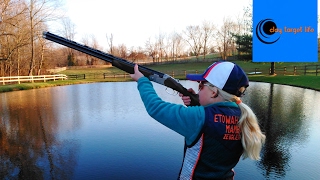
(205, 93)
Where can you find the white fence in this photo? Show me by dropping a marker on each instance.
(44, 78)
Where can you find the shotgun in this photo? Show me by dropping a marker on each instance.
(152, 75)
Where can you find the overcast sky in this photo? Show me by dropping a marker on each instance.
(133, 22)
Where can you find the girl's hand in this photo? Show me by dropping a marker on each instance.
(186, 99)
(137, 74)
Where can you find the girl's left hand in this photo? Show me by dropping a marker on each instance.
(137, 74)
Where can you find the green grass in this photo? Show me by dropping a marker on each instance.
(310, 82)
(88, 70)
(36, 85)
(95, 75)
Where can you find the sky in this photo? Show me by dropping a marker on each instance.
(133, 22)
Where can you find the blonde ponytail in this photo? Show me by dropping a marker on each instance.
(251, 136)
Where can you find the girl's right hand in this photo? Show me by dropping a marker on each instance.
(186, 99)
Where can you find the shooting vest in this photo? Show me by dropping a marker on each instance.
(218, 147)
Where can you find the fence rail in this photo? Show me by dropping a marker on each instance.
(296, 70)
(19, 79)
(293, 70)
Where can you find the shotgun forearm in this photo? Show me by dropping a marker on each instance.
(126, 66)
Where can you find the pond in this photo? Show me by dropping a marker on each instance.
(102, 131)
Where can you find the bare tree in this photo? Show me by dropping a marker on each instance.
(140, 54)
(95, 44)
(85, 41)
(194, 37)
(68, 28)
(132, 54)
(208, 31)
(177, 45)
(20, 34)
(38, 12)
(225, 39)
(160, 45)
(110, 43)
(12, 36)
(167, 48)
(247, 20)
(69, 33)
(122, 48)
(42, 45)
(151, 49)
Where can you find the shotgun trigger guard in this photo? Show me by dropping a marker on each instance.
(173, 93)
(156, 78)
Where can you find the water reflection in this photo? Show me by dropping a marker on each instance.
(101, 130)
(285, 116)
(30, 148)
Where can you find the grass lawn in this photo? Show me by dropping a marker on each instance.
(36, 85)
(310, 82)
(96, 75)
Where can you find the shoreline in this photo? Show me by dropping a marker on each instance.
(27, 86)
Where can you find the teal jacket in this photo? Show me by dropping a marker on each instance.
(187, 121)
(212, 136)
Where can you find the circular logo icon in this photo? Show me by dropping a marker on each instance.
(266, 31)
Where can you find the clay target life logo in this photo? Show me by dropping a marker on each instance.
(264, 33)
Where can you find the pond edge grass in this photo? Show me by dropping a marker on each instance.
(307, 82)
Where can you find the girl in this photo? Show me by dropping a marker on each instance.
(216, 133)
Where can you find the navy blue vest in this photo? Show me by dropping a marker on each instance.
(218, 147)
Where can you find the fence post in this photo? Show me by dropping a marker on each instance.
(172, 73)
(84, 76)
(294, 70)
(3, 81)
(317, 70)
(285, 70)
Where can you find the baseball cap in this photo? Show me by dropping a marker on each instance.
(225, 75)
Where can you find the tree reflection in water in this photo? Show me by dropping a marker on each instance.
(29, 146)
(41, 132)
(280, 113)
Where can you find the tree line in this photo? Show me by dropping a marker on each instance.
(22, 48)
(231, 38)
(23, 51)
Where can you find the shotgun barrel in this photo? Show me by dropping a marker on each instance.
(152, 75)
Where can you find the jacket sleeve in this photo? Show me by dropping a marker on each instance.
(187, 121)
